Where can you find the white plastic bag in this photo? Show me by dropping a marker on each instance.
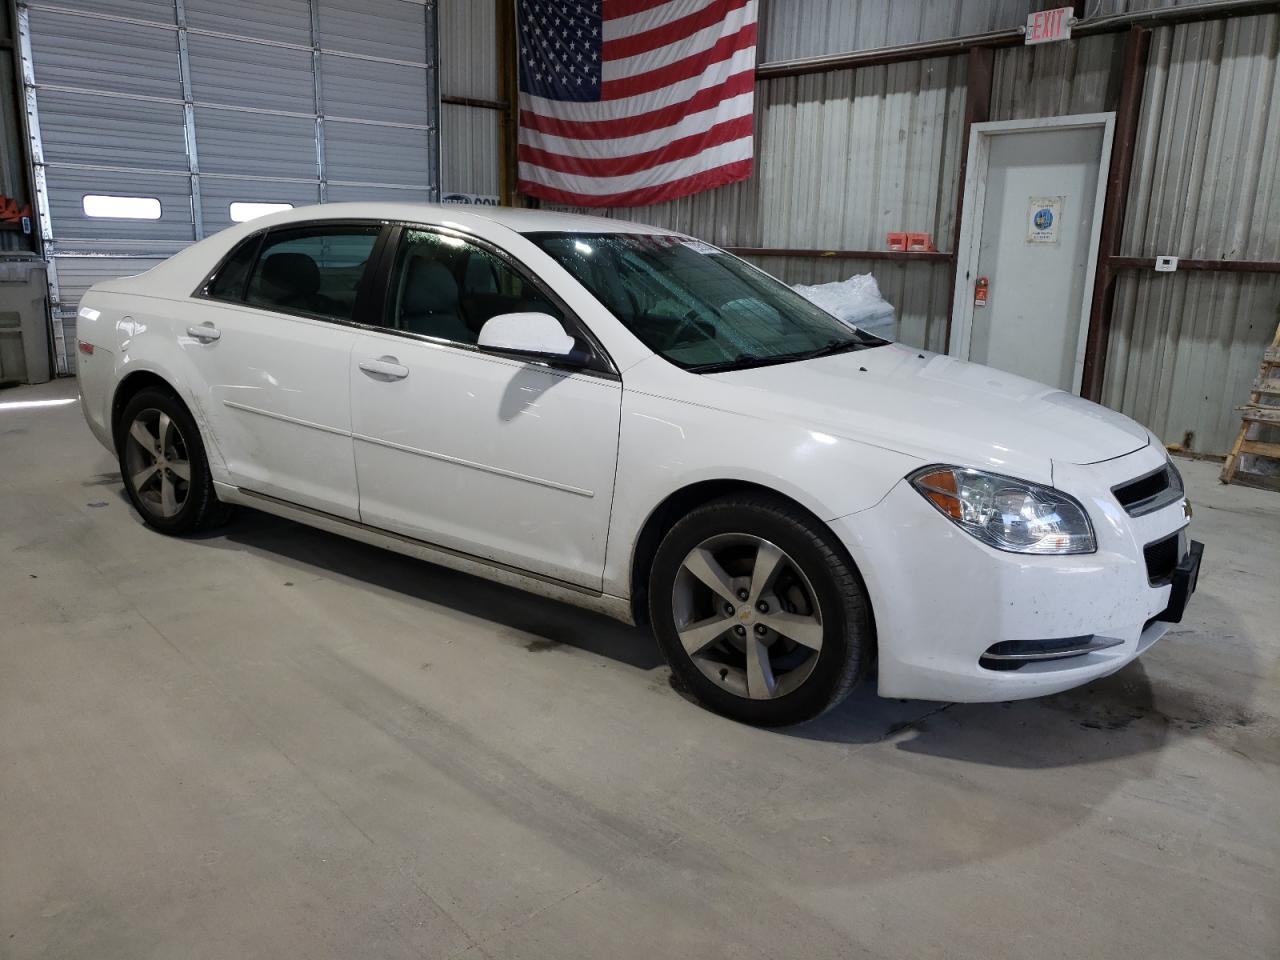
(855, 301)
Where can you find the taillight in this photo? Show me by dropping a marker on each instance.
(85, 348)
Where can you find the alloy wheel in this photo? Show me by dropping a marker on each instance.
(158, 464)
(747, 616)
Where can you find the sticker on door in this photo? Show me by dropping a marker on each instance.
(1044, 215)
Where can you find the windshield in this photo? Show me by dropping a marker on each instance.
(701, 308)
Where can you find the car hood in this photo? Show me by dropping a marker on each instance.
(936, 408)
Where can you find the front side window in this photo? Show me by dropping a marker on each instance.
(447, 288)
(697, 305)
(312, 270)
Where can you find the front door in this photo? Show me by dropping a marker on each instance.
(491, 455)
(1030, 286)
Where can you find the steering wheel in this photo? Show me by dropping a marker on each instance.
(688, 322)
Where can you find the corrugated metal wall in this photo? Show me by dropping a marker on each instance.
(796, 29)
(1184, 347)
(844, 157)
(1056, 79)
(1106, 8)
(792, 30)
(202, 103)
(469, 150)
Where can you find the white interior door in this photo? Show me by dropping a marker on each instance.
(1033, 217)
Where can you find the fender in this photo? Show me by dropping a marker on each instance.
(136, 355)
(667, 446)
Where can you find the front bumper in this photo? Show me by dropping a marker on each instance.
(1186, 575)
(942, 600)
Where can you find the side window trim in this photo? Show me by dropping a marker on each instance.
(202, 291)
(601, 364)
(372, 305)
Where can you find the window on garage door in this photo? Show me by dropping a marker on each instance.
(315, 271)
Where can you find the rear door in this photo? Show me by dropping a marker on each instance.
(495, 456)
(271, 341)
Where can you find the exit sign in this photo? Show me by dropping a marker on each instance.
(1049, 25)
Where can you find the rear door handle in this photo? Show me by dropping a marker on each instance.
(205, 332)
(384, 368)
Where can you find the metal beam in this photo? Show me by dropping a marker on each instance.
(189, 119)
(1210, 266)
(509, 90)
(431, 10)
(1132, 81)
(929, 256)
(318, 90)
(996, 39)
(479, 102)
(977, 109)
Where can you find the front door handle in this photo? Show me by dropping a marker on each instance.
(205, 332)
(384, 368)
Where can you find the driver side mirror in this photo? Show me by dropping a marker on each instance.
(537, 335)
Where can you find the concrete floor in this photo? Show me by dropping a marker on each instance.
(276, 743)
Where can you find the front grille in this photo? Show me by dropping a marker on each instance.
(1150, 492)
(1162, 559)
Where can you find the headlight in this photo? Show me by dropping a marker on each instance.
(1005, 513)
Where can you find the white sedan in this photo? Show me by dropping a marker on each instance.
(635, 421)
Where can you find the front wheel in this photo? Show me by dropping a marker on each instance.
(163, 464)
(759, 611)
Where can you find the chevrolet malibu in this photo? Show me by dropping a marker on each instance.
(634, 421)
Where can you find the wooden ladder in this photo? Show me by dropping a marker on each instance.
(1262, 410)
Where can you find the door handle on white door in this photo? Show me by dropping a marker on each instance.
(205, 332)
(384, 368)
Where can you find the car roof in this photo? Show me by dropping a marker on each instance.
(518, 219)
(177, 275)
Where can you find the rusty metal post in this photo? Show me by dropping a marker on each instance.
(509, 93)
(1132, 80)
(977, 109)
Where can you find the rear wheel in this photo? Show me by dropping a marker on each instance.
(163, 464)
(759, 611)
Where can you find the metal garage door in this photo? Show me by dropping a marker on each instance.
(156, 122)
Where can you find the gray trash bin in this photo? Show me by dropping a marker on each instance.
(24, 320)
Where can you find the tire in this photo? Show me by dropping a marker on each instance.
(165, 499)
(815, 626)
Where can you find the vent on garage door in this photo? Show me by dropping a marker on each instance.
(150, 119)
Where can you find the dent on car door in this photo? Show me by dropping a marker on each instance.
(271, 341)
(508, 459)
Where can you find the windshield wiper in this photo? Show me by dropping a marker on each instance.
(827, 349)
(743, 363)
(739, 363)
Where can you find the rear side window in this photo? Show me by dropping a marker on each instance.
(312, 270)
(231, 277)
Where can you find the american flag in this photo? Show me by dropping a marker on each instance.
(631, 102)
